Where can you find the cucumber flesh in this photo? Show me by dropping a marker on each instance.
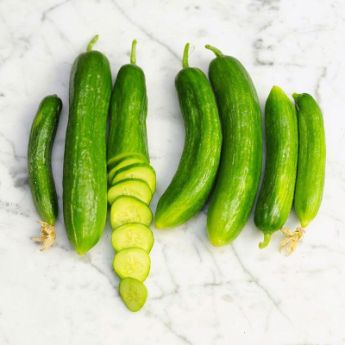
(139, 171)
(132, 263)
(130, 187)
(133, 293)
(112, 162)
(123, 163)
(127, 209)
(133, 235)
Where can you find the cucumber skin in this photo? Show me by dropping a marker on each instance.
(85, 173)
(240, 164)
(128, 111)
(40, 174)
(277, 191)
(311, 158)
(194, 178)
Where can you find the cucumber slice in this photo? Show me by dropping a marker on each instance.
(132, 263)
(130, 187)
(133, 293)
(117, 159)
(140, 171)
(133, 235)
(123, 163)
(127, 209)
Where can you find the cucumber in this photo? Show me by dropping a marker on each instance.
(132, 235)
(190, 187)
(85, 174)
(240, 164)
(277, 190)
(123, 163)
(114, 161)
(128, 111)
(132, 263)
(131, 187)
(140, 171)
(133, 293)
(311, 159)
(40, 174)
(127, 209)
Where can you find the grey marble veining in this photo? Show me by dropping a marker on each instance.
(197, 294)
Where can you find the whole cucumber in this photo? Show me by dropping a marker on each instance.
(240, 164)
(277, 190)
(190, 187)
(85, 173)
(40, 174)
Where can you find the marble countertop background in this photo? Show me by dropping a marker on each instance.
(198, 295)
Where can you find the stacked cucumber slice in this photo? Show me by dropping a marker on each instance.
(129, 195)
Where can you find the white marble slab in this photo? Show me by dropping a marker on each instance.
(198, 294)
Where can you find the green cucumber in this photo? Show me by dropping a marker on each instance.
(114, 161)
(85, 174)
(130, 187)
(123, 163)
(190, 187)
(128, 111)
(276, 195)
(127, 209)
(40, 174)
(132, 235)
(132, 263)
(141, 171)
(311, 159)
(240, 164)
(133, 293)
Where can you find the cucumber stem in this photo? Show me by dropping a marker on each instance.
(185, 56)
(92, 43)
(215, 50)
(133, 57)
(290, 242)
(266, 241)
(47, 236)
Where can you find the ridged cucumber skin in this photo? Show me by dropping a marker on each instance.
(85, 172)
(194, 178)
(128, 111)
(240, 164)
(40, 174)
(311, 158)
(277, 191)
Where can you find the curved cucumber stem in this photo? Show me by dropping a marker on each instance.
(185, 56)
(266, 241)
(92, 43)
(215, 50)
(133, 57)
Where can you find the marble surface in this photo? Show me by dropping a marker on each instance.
(197, 294)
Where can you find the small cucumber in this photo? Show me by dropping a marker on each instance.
(122, 164)
(40, 174)
(127, 209)
(190, 187)
(240, 165)
(311, 158)
(132, 263)
(277, 190)
(141, 171)
(130, 187)
(132, 235)
(133, 293)
(85, 172)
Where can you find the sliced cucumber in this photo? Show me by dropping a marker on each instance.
(130, 187)
(127, 209)
(124, 163)
(112, 162)
(133, 293)
(132, 263)
(141, 171)
(133, 235)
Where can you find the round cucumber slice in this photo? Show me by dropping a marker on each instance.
(132, 236)
(140, 171)
(133, 293)
(127, 209)
(117, 159)
(124, 163)
(130, 187)
(132, 263)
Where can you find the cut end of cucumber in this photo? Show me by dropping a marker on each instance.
(133, 293)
